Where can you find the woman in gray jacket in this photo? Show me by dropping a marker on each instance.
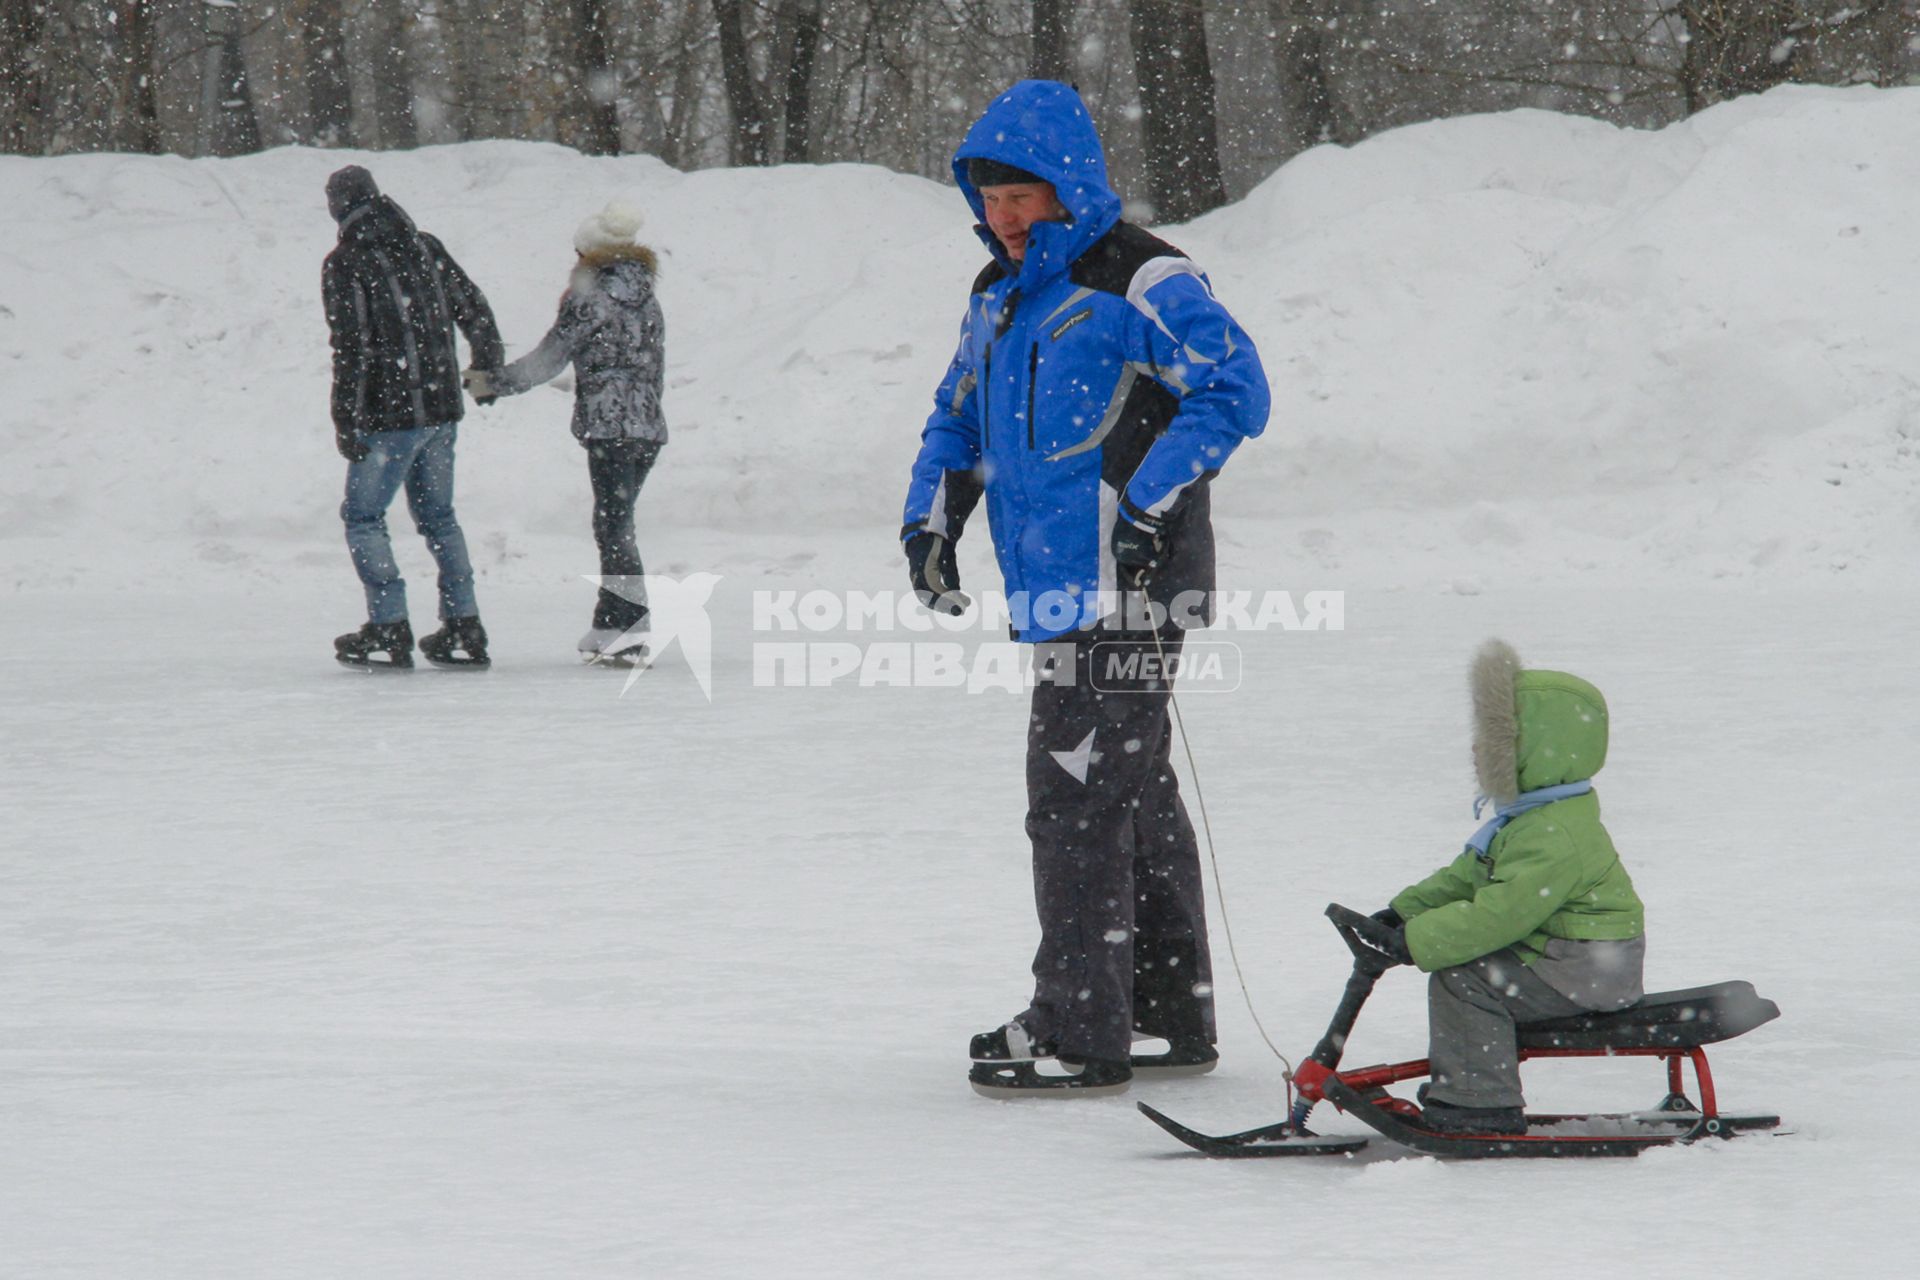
(611, 330)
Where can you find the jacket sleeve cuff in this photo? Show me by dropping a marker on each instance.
(1139, 517)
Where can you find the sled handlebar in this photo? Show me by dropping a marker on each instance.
(1352, 924)
(1368, 965)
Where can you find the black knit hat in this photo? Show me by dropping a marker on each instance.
(982, 172)
(348, 189)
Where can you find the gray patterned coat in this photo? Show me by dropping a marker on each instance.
(611, 330)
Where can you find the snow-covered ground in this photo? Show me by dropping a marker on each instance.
(305, 973)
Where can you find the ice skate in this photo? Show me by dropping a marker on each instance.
(376, 646)
(1164, 1058)
(1010, 1063)
(460, 642)
(614, 647)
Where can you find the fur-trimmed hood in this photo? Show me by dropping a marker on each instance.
(1532, 729)
(607, 255)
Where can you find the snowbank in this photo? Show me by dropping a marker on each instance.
(1507, 348)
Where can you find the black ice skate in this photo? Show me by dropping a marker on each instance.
(1065, 1076)
(376, 646)
(1009, 1043)
(1182, 1056)
(460, 642)
(1009, 1063)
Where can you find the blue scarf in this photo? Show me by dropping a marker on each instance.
(1482, 839)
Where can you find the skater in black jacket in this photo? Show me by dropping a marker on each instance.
(393, 298)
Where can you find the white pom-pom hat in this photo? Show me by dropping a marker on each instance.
(614, 228)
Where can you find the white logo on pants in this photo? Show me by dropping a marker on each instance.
(1077, 760)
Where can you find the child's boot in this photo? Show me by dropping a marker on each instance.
(1444, 1117)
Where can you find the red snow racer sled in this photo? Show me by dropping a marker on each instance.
(1673, 1026)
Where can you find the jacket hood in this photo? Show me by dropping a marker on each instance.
(1532, 729)
(348, 189)
(625, 276)
(378, 219)
(1041, 126)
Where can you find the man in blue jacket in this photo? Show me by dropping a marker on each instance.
(1097, 389)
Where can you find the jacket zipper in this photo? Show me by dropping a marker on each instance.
(986, 399)
(1033, 374)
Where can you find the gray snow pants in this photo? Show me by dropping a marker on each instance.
(1473, 1010)
(1116, 869)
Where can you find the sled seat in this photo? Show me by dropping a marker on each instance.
(1663, 1020)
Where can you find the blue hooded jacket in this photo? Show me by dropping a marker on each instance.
(1097, 379)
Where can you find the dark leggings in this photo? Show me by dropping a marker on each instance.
(617, 469)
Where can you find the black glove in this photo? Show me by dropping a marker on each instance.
(1389, 917)
(935, 576)
(1389, 941)
(1137, 551)
(350, 443)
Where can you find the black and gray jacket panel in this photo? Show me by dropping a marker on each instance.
(393, 298)
(1137, 415)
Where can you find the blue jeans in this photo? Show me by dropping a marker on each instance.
(422, 460)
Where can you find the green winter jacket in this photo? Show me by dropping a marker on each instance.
(1551, 872)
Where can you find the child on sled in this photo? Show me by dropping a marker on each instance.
(1536, 918)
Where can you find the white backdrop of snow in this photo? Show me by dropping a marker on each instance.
(1504, 347)
(512, 976)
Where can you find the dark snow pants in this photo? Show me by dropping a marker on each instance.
(1474, 1010)
(1116, 869)
(617, 469)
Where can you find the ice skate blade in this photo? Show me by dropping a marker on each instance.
(1171, 1070)
(1006, 1081)
(363, 664)
(1056, 1092)
(625, 660)
(461, 664)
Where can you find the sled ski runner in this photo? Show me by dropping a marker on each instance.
(1671, 1025)
(1557, 1136)
(1269, 1140)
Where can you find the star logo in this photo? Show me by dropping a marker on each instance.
(1077, 761)
(676, 613)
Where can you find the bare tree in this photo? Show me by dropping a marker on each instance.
(1052, 28)
(750, 134)
(589, 118)
(1305, 107)
(228, 126)
(1177, 120)
(22, 83)
(138, 102)
(1195, 98)
(323, 49)
(1748, 46)
(803, 46)
(389, 65)
(692, 42)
